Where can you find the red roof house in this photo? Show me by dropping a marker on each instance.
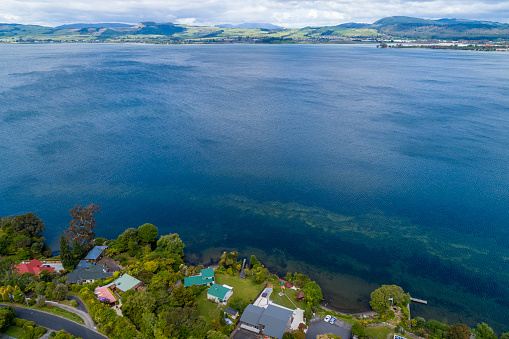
(104, 292)
(34, 266)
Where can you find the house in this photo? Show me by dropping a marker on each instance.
(95, 254)
(271, 321)
(103, 292)
(126, 283)
(206, 277)
(231, 312)
(220, 294)
(299, 295)
(88, 275)
(34, 266)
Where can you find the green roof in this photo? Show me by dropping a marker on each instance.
(205, 277)
(126, 282)
(218, 291)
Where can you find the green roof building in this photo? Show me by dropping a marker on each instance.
(206, 277)
(126, 283)
(220, 294)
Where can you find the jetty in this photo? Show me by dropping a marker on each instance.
(419, 301)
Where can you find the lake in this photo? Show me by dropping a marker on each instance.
(356, 165)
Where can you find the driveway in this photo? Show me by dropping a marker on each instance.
(81, 305)
(321, 327)
(57, 323)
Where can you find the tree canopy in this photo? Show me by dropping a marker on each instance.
(147, 233)
(380, 298)
(82, 225)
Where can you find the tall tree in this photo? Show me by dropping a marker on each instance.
(382, 298)
(147, 233)
(77, 250)
(82, 224)
(66, 255)
(28, 224)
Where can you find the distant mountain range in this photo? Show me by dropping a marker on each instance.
(396, 27)
(251, 26)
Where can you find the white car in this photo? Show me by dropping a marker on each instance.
(327, 318)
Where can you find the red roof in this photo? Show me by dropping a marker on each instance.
(105, 293)
(34, 266)
(299, 295)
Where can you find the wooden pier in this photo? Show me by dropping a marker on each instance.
(419, 301)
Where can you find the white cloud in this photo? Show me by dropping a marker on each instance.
(288, 13)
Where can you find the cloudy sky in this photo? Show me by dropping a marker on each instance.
(286, 13)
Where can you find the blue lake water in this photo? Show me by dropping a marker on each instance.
(360, 166)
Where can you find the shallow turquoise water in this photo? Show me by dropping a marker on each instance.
(410, 146)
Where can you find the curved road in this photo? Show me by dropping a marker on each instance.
(57, 323)
(81, 305)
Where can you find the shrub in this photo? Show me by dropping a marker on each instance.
(29, 323)
(39, 331)
(20, 322)
(74, 303)
(52, 334)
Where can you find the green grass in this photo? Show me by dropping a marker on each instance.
(14, 331)
(283, 301)
(379, 332)
(63, 313)
(205, 307)
(245, 288)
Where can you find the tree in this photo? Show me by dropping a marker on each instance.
(216, 335)
(483, 331)
(60, 292)
(459, 331)
(28, 224)
(172, 247)
(138, 304)
(238, 303)
(358, 330)
(181, 297)
(313, 293)
(77, 250)
(505, 335)
(82, 225)
(229, 259)
(380, 298)
(288, 335)
(147, 233)
(6, 315)
(254, 262)
(66, 255)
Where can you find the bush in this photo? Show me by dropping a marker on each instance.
(39, 331)
(74, 303)
(20, 322)
(29, 323)
(52, 334)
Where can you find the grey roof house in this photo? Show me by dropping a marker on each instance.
(271, 321)
(83, 275)
(95, 254)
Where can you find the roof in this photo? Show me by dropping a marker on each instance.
(126, 282)
(299, 295)
(231, 311)
(83, 264)
(93, 273)
(206, 276)
(34, 266)
(95, 252)
(104, 292)
(218, 291)
(252, 314)
(275, 320)
(207, 273)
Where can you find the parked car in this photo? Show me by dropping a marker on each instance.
(333, 320)
(327, 318)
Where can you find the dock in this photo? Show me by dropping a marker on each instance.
(419, 301)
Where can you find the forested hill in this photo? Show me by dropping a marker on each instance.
(396, 27)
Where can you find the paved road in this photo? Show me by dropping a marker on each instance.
(81, 305)
(57, 323)
(83, 315)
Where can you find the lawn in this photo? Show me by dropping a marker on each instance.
(205, 307)
(283, 300)
(245, 288)
(379, 332)
(62, 313)
(13, 331)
